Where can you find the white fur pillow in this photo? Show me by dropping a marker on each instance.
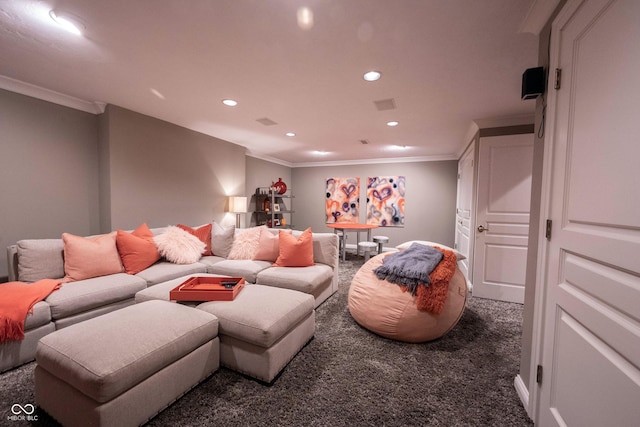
(179, 246)
(245, 243)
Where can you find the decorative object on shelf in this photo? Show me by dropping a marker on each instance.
(266, 205)
(238, 205)
(342, 200)
(385, 200)
(276, 207)
(283, 221)
(279, 187)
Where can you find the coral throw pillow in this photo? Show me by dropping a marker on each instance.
(179, 246)
(87, 257)
(137, 249)
(245, 243)
(295, 252)
(203, 233)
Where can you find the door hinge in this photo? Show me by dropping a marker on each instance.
(558, 79)
(539, 374)
(547, 233)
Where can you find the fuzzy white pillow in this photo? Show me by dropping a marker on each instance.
(245, 243)
(179, 246)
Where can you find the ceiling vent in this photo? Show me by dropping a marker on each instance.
(385, 104)
(266, 121)
(364, 142)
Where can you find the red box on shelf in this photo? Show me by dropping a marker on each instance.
(202, 288)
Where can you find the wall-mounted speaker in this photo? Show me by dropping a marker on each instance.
(533, 83)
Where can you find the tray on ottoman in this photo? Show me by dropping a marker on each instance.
(204, 288)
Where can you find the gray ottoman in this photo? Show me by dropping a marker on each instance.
(260, 331)
(124, 367)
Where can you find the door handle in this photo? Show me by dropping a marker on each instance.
(482, 228)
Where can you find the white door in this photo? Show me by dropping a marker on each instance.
(464, 208)
(591, 270)
(501, 229)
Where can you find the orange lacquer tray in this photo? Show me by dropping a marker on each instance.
(201, 288)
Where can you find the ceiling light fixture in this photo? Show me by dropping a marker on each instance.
(320, 152)
(393, 123)
(229, 102)
(290, 134)
(372, 76)
(67, 21)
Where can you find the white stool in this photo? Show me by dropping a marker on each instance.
(380, 240)
(366, 248)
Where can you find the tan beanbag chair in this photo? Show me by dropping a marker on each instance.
(383, 308)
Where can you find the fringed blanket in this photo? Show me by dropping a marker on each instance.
(410, 267)
(16, 301)
(431, 294)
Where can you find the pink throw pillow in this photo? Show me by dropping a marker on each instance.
(269, 245)
(245, 243)
(87, 257)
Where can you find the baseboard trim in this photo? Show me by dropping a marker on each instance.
(523, 393)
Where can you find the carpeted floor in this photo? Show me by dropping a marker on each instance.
(347, 376)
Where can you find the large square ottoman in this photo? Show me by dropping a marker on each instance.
(261, 330)
(122, 368)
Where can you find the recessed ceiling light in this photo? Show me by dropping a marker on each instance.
(372, 76)
(393, 123)
(229, 102)
(68, 22)
(398, 147)
(290, 134)
(320, 152)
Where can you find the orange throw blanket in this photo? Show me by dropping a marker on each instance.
(431, 298)
(16, 301)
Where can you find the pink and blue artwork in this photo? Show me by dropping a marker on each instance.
(385, 201)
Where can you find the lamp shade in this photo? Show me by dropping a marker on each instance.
(237, 204)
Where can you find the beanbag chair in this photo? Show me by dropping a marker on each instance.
(383, 308)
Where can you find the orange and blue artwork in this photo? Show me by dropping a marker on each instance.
(385, 201)
(342, 200)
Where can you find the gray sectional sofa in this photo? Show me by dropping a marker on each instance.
(35, 259)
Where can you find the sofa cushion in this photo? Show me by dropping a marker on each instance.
(310, 280)
(103, 357)
(179, 246)
(260, 315)
(40, 259)
(163, 271)
(87, 257)
(203, 233)
(84, 295)
(137, 249)
(248, 269)
(221, 240)
(325, 248)
(295, 251)
(210, 261)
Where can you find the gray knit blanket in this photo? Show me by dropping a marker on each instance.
(410, 267)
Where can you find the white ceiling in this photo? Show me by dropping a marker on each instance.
(447, 64)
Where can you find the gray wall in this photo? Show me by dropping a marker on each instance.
(162, 174)
(430, 198)
(48, 164)
(64, 170)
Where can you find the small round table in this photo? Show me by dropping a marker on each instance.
(355, 227)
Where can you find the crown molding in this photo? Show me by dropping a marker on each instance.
(377, 161)
(44, 94)
(497, 122)
(268, 158)
(538, 16)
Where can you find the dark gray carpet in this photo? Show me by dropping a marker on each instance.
(347, 376)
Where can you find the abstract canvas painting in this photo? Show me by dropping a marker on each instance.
(342, 200)
(385, 201)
